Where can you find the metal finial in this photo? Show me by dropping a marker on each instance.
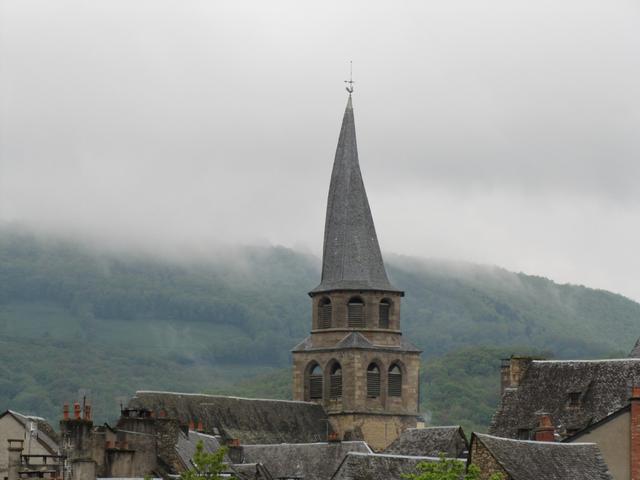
(350, 82)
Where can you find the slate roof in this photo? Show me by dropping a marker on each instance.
(252, 421)
(376, 466)
(527, 460)
(355, 340)
(635, 351)
(430, 442)
(46, 434)
(602, 387)
(351, 257)
(312, 461)
(186, 446)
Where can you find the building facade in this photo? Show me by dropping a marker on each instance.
(356, 362)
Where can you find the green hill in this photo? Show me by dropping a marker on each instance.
(76, 317)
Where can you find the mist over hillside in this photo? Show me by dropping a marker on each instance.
(75, 316)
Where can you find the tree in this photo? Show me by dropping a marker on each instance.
(447, 469)
(206, 466)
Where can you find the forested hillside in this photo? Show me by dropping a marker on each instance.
(77, 317)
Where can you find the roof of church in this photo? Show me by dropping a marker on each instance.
(252, 421)
(351, 258)
(355, 340)
(430, 442)
(526, 460)
(187, 443)
(598, 388)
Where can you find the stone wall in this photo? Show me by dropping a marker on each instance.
(482, 458)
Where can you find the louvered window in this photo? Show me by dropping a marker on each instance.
(356, 313)
(385, 309)
(395, 381)
(373, 381)
(335, 390)
(315, 383)
(324, 313)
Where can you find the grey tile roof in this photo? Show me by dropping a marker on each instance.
(186, 446)
(312, 461)
(371, 466)
(351, 257)
(635, 351)
(356, 340)
(604, 386)
(252, 421)
(526, 460)
(46, 434)
(430, 442)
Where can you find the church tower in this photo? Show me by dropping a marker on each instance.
(356, 362)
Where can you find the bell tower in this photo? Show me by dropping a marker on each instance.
(356, 362)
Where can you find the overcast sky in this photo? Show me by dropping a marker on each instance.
(496, 131)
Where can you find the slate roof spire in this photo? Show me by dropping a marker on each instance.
(351, 257)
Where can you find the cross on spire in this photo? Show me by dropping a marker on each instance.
(350, 82)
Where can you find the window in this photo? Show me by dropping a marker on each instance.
(324, 313)
(355, 312)
(395, 381)
(574, 399)
(335, 383)
(315, 383)
(385, 310)
(373, 381)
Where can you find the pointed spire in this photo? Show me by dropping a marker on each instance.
(351, 257)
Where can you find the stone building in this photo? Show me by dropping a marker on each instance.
(38, 437)
(356, 363)
(531, 460)
(618, 436)
(574, 393)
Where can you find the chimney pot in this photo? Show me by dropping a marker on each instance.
(65, 411)
(545, 432)
(192, 425)
(76, 411)
(200, 426)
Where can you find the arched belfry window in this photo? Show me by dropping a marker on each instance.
(373, 381)
(335, 381)
(315, 382)
(395, 381)
(355, 313)
(324, 313)
(385, 313)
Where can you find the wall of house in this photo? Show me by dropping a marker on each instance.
(482, 458)
(379, 431)
(614, 439)
(10, 428)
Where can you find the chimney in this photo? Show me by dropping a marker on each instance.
(635, 433)
(65, 411)
(235, 450)
(545, 432)
(76, 411)
(15, 450)
(513, 370)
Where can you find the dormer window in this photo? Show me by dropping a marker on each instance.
(355, 313)
(574, 399)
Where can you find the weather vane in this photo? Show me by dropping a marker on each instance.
(350, 82)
